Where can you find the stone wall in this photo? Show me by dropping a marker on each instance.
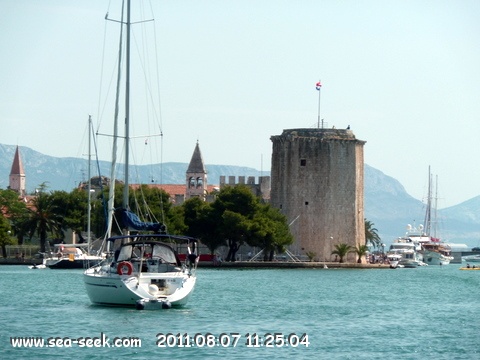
(260, 189)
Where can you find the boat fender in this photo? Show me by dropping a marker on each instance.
(153, 289)
(166, 304)
(125, 268)
(146, 304)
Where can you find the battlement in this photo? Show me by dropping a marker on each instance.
(316, 134)
(261, 189)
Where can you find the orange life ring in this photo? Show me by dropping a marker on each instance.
(121, 268)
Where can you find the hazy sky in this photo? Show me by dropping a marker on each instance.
(405, 75)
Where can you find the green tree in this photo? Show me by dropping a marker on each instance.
(44, 217)
(150, 204)
(341, 250)
(10, 202)
(201, 223)
(5, 238)
(15, 210)
(269, 230)
(235, 218)
(371, 234)
(361, 251)
(194, 210)
(69, 210)
(176, 221)
(234, 228)
(99, 212)
(232, 211)
(75, 208)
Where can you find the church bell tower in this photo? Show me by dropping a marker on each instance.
(196, 176)
(17, 175)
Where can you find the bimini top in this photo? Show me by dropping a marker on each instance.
(153, 250)
(149, 246)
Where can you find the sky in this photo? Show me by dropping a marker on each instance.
(404, 74)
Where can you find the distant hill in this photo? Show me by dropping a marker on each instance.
(387, 204)
(67, 173)
(391, 209)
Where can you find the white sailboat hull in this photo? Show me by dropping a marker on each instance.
(63, 262)
(125, 290)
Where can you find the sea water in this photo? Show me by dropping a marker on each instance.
(424, 313)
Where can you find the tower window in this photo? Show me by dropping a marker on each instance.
(303, 162)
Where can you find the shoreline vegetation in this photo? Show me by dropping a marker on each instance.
(244, 264)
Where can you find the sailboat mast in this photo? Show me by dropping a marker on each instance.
(428, 212)
(435, 208)
(127, 111)
(89, 186)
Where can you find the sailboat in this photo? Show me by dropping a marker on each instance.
(76, 256)
(142, 267)
(420, 245)
(435, 252)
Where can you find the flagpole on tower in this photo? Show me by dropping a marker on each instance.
(318, 86)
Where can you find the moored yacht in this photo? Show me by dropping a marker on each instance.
(433, 250)
(407, 249)
(71, 256)
(144, 271)
(141, 270)
(436, 253)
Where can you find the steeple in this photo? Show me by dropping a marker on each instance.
(17, 174)
(196, 176)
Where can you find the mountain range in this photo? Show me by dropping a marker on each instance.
(387, 205)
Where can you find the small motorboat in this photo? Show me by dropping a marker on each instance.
(35, 266)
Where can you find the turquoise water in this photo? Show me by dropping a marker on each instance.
(425, 313)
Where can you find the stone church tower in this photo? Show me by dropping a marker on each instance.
(17, 175)
(196, 176)
(317, 182)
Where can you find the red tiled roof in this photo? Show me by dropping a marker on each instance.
(173, 189)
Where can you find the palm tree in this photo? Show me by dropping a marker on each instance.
(341, 250)
(361, 250)
(371, 235)
(44, 217)
(311, 255)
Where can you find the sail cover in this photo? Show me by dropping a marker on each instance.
(133, 222)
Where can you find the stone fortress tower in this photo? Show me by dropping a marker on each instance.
(317, 181)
